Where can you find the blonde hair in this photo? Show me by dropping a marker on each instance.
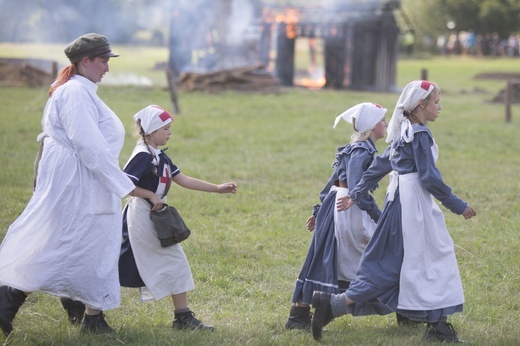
(359, 136)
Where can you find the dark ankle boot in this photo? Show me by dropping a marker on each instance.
(441, 331)
(343, 285)
(75, 309)
(299, 318)
(187, 320)
(405, 321)
(95, 324)
(10, 301)
(322, 313)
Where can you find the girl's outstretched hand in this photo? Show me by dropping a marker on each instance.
(228, 188)
(344, 203)
(469, 212)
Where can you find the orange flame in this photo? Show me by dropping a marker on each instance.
(289, 15)
(313, 83)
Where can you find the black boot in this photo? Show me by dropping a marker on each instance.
(95, 324)
(75, 309)
(441, 331)
(322, 314)
(343, 285)
(405, 321)
(187, 320)
(10, 301)
(299, 318)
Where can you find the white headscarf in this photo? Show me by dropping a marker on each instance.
(153, 118)
(409, 99)
(367, 115)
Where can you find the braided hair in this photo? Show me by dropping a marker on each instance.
(143, 137)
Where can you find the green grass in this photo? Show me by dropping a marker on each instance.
(246, 250)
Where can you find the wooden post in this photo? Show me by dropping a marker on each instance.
(424, 74)
(170, 76)
(507, 100)
(285, 50)
(54, 69)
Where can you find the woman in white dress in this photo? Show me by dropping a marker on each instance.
(66, 241)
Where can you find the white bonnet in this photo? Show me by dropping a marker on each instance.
(367, 115)
(153, 118)
(410, 97)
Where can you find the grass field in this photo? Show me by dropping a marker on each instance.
(246, 250)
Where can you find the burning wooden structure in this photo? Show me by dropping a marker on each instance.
(361, 42)
(222, 38)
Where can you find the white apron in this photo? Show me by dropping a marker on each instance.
(430, 276)
(353, 229)
(164, 270)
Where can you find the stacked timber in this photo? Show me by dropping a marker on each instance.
(252, 78)
(26, 72)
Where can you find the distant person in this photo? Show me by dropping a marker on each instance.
(453, 44)
(66, 242)
(340, 238)
(512, 45)
(409, 41)
(494, 44)
(409, 265)
(471, 42)
(442, 44)
(157, 271)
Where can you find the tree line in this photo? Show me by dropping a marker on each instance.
(436, 18)
(123, 20)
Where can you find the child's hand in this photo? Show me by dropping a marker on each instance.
(469, 212)
(156, 201)
(311, 223)
(344, 203)
(228, 188)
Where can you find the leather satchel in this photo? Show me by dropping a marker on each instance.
(169, 225)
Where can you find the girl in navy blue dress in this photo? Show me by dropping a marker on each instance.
(409, 266)
(340, 238)
(157, 271)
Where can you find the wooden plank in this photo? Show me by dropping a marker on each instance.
(252, 78)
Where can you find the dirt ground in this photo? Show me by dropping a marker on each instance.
(500, 97)
(17, 73)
